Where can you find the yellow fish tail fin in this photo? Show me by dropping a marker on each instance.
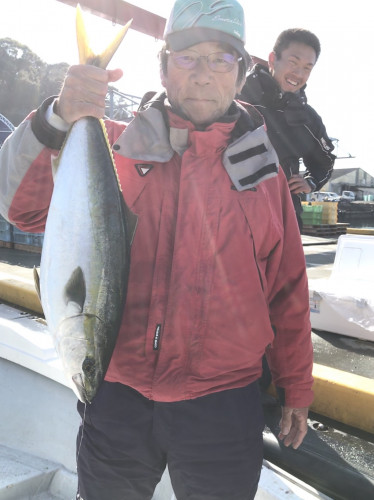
(109, 52)
(86, 55)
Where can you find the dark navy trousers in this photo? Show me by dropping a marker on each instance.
(212, 445)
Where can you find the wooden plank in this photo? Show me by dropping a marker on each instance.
(6, 244)
(325, 230)
(27, 248)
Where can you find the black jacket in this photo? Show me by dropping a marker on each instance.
(294, 128)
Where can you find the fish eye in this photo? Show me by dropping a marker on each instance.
(88, 366)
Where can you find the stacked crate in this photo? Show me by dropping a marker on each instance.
(320, 218)
(27, 241)
(6, 235)
(329, 211)
(312, 215)
(12, 237)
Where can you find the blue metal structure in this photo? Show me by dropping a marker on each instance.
(6, 128)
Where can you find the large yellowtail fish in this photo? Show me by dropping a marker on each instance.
(86, 252)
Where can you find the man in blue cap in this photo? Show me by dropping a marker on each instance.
(217, 277)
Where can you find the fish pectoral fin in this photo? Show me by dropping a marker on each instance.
(37, 281)
(86, 55)
(75, 289)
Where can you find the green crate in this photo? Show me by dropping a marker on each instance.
(315, 209)
(312, 219)
(312, 215)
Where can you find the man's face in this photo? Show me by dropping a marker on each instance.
(201, 94)
(293, 68)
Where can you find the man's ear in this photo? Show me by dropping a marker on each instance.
(271, 60)
(240, 85)
(162, 78)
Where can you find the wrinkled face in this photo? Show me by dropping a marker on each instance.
(293, 68)
(200, 93)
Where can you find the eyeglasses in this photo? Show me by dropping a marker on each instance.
(219, 62)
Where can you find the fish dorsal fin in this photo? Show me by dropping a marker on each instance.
(75, 289)
(86, 55)
(109, 147)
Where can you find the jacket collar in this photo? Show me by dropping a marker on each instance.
(146, 137)
(157, 133)
(269, 89)
(151, 136)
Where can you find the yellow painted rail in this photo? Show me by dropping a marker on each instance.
(360, 230)
(21, 293)
(344, 396)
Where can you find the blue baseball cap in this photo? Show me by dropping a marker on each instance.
(196, 21)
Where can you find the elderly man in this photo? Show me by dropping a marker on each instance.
(216, 276)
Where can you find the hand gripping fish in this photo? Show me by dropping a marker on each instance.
(86, 251)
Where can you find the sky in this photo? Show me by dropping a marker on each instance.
(340, 88)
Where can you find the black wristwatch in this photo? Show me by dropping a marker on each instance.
(312, 184)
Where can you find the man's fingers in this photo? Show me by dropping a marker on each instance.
(84, 91)
(294, 438)
(294, 426)
(286, 421)
(114, 75)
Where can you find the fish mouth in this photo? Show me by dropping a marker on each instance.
(87, 381)
(81, 341)
(80, 389)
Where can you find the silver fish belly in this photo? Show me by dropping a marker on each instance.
(85, 258)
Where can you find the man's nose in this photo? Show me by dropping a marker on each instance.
(297, 70)
(202, 72)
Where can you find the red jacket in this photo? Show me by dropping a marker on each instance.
(217, 272)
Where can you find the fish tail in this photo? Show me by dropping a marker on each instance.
(86, 55)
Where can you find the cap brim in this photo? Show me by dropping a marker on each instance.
(181, 40)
